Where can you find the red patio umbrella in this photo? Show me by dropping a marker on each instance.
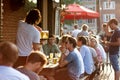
(75, 12)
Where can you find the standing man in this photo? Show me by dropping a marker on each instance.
(114, 45)
(75, 31)
(84, 30)
(8, 56)
(28, 37)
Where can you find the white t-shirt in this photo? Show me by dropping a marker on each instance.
(83, 33)
(9, 73)
(93, 52)
(103, 53)
(26, 35)
(87, 59)
(75, 32)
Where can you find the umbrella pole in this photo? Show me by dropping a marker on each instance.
(74, 18)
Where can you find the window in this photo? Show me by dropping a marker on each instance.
(91, 7)
(107, 17)
(91, 21)
(109, 5)
(79, 21)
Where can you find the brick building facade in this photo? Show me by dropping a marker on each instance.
(10, 21)
(14, 10)
(109, 10)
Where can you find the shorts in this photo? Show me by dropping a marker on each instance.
(114, 59)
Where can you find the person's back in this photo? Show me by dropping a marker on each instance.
(28, 36)
(103, 53)
(25, 36)
(79, 62)
(86, 55)
(84, 31)
(32, 75)
(75, 31)
(93, 52)
(34, 64)
(8, 56)
(12, 74)
(87, 59)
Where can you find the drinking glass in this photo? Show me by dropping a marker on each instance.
(51, 55)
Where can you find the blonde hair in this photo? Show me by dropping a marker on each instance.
(85, 27)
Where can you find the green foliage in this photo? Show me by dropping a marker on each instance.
(70, 1)
(69, 22)
(29, 5)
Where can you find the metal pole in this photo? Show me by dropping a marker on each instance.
(1, 18)
(98, 20)
(60, 19)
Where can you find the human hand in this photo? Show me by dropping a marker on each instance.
(42, 77)
(107, 43)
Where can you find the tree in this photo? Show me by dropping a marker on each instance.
(70, 1)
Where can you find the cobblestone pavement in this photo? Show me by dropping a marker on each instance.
(106, 74)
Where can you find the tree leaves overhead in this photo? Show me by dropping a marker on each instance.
(70, 1)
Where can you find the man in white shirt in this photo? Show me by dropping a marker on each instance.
(75, 31)
(84, 31)
(28, 36)
(8, 56)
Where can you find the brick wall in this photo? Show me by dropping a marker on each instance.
(10, 21)
(115, 11)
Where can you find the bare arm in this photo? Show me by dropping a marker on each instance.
(36, 46)
(38, 28)
(62, 61)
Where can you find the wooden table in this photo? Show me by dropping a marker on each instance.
(54, 72)
(49, 71)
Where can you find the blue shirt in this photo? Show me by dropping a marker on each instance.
(75, 65)
(12, 74)
(87, 59)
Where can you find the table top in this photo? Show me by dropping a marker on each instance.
(50, 65)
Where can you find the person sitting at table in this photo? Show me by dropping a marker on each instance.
(86, 55)
(34, 64)
(62, 45)
(8, 56)
(51, 46)
(73, 61)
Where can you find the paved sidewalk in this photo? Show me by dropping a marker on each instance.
(107, 74)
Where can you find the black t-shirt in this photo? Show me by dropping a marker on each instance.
(114, 37)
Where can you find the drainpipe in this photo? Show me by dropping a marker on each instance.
(1, 18)
(98, 19)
